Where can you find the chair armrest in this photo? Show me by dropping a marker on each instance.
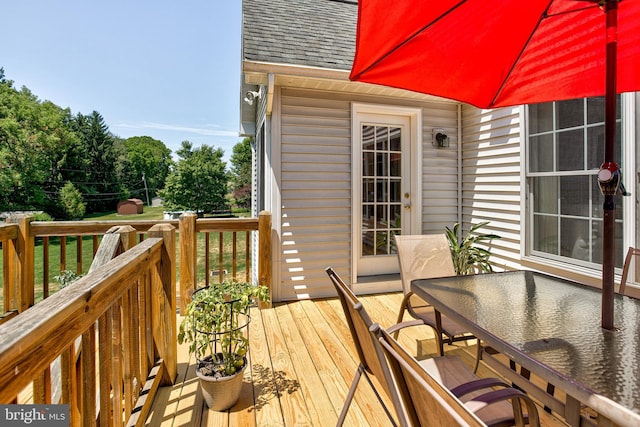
(406, 324)
(478, 384)
(512, 394)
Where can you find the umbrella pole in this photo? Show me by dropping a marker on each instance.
(608, 247)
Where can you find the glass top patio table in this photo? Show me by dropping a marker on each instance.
(551, 327)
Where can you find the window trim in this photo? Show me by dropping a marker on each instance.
(630, 215)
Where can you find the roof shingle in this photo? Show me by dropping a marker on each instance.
(318, 33)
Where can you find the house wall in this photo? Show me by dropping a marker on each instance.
(491, 179)
(313, 228)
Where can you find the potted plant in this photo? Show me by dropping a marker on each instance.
(467, 257)
(216, 327)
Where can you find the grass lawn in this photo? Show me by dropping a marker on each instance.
(150, 213)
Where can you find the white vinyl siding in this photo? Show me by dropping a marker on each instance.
(315, 183)
(439, 169)
(315, 192)
(491, 184)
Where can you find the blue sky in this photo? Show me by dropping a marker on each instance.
(166, 69)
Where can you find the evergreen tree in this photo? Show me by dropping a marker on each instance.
(98, 178)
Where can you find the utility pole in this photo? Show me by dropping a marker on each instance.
(146, 190)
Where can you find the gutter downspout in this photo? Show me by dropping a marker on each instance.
(271, 82)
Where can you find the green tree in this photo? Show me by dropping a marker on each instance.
(32, 136)
(199, 181)
(98, 179)
(71, 201)
(241, 167)
(147, 159)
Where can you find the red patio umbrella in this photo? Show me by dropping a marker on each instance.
(501, 53)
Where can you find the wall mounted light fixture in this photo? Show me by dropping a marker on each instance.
(250, 96)
(440, 138)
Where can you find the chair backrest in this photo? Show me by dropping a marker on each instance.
(423, 256)
(630, 270)
(369, 351)
(426, 402)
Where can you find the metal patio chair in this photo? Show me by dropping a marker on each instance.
(450, 369)
(434, 397)
(628, 261)
(427, 256)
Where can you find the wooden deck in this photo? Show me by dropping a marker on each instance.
(302, 361)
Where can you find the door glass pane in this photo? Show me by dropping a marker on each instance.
(395, 166)
(382, 164)
(367, 164)
(368, 191)
(368, 137)
(394, 139)
(382, 138)
(381, 188)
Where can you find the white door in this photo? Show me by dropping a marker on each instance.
(382, 190)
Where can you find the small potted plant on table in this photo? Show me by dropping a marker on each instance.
(216, 326)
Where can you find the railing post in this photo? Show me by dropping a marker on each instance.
(163, 306)
(188, 238)
(264, 253)
(21, 262)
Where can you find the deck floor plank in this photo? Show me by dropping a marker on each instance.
(311, 385)
(344, 356)
(267, 410)
(294, 410)
(301, 364)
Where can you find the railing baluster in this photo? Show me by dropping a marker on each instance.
(234, 263)
(104, 355)
(79, 255)
(116, 358)
(89, 376)
(247, 256)
(42, 387)
(127, 353)
(221, 256)
(135, 336)
(63, 253)
(45, 267)
(144, 304)
(207, 268)
(95, 244)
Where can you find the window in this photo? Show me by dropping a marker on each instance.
(565, 148)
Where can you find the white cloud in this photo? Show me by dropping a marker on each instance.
(209, 130)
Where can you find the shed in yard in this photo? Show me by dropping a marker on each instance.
(130, 207)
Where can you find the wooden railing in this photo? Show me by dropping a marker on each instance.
(105, 343)
(21, 237)
(110, 334)
(189, 229)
